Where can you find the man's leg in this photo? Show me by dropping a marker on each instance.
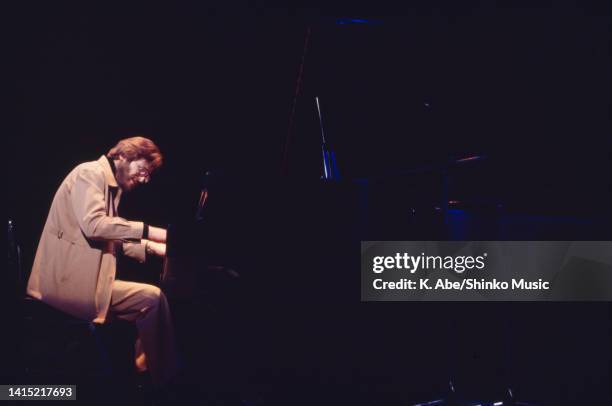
(147, 306)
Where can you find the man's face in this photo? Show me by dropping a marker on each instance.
(132, 173)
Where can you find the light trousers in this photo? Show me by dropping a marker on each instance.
(146, 305)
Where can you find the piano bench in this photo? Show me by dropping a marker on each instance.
(56, 345)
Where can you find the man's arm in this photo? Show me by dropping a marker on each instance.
(156, 248)
(89, 206)
(135, 250)
(140, 250)
(157, 234)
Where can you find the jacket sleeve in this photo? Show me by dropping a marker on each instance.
(89, 206)
(136, 250)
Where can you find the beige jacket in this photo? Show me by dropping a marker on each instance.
(75, 262)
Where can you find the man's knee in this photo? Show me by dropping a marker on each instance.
(151, 296)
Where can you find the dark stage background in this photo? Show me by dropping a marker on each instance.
(526, 87)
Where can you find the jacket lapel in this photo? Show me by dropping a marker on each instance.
(114, 191)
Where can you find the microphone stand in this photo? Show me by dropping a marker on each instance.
(330, 169)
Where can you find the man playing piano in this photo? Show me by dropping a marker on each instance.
(75, 263)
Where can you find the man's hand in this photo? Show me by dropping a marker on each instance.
(156, 248)
(157, 234)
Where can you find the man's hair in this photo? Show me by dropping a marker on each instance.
(136, 148)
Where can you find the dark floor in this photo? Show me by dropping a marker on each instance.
(368, 354)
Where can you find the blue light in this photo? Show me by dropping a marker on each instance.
(345, 21)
